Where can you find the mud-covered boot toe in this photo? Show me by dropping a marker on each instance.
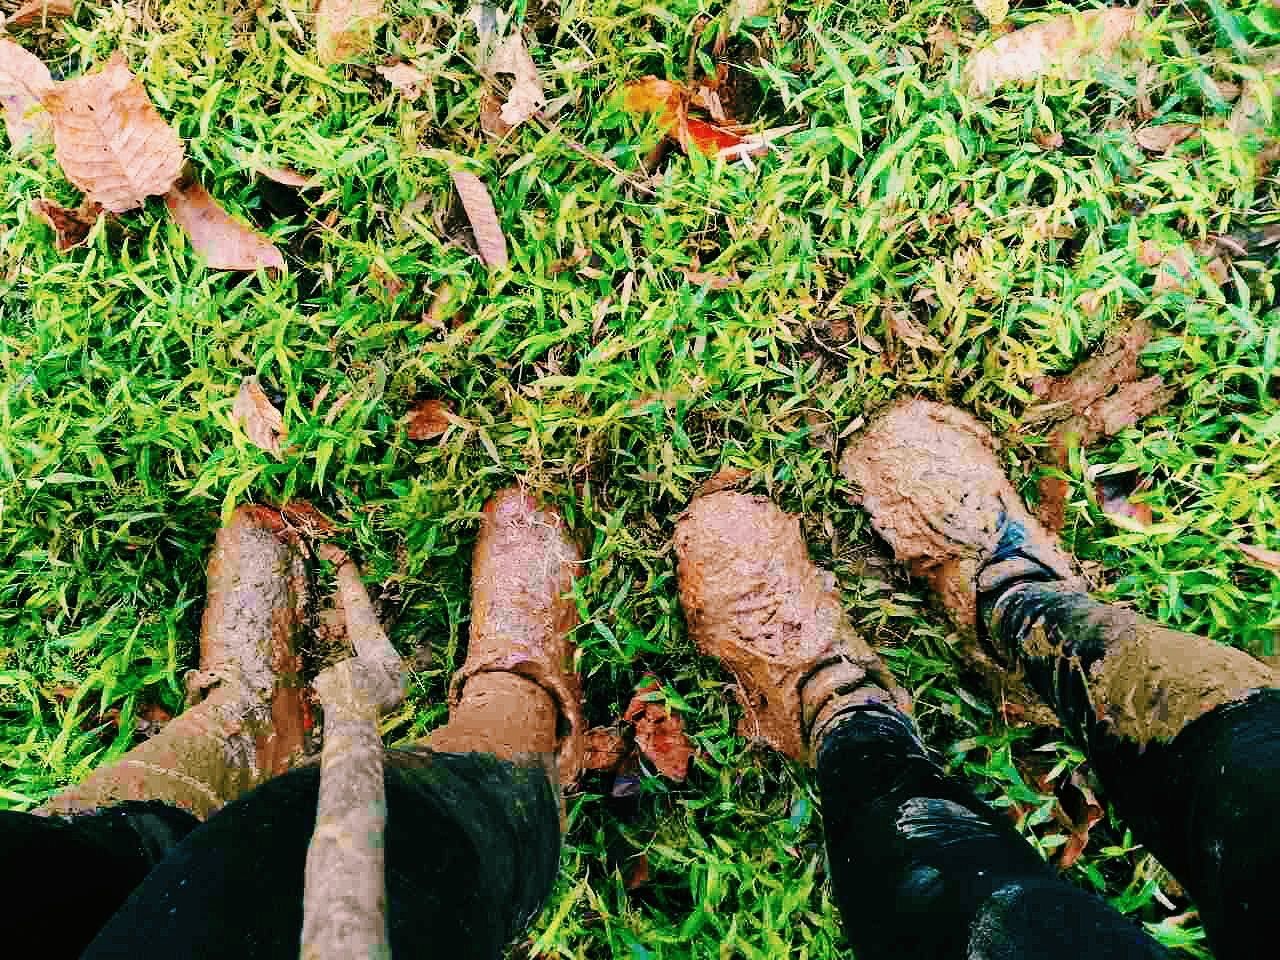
(752, 598)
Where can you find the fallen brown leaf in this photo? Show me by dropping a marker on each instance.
(345, 29)
(24, 82)
(605, 749)
(478, 204)
(261, 421)
(1061, 46)
(70, 227)
(1049, 140)
(224, 243)
(428, 419)
(110, 141)
(38, 12)
(670, 101)
(638, 872)
(723, 479)
(659, 733)
(900, 325)
(491, 121)
(507, 55)
(297, 517)
(713, 281)
(405, 78)
(1270, 559)
(1164, 136)
(1081, 811)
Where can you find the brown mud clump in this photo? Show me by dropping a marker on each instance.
(753, 599)
(1153, 681)
(251, 725)
(518, 692)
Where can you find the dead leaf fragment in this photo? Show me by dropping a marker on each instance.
(637, 872)
(38, 12)
(1061, 46)
(723, 479)
(1270, 559)
(508, 55)
(70, 227)
(1049, 140)
(24, 82)
(405, 78)
(659, 733)
(1164, 136)
(671, 101)
(605, 749)
(345, 29)
(225, 244)
(428, 419)
(478, 204)
(491, 121)
(261, 421)
(901, 326)
(712, 281)
(110, 141)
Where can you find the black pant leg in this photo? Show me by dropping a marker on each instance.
(61, 878)
(472, 850)
(923, 868)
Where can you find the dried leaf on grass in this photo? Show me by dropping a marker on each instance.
(478, 204)
(723, 479)
(261, 421)
(345, 28)
(38, 12)
(24, 82)
(605, 748)
(405, 78)
(1270, 559)
(1163, 136)
(506, 54)
(225, 244)
(110, 141)
(428, 419)
(670, 101)
(1079, 810)
(1102, 396)
(70, 227)
(659, 733)
(294, 518)
(1061, 47)
(637, 872)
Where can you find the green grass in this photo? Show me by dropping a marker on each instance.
(616, 387)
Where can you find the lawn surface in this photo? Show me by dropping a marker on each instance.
(614, 384)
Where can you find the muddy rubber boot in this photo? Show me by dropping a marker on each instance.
(753, 599)
(929, 478)
(518, 693)
(250, 725)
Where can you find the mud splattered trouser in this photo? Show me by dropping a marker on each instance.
(923, 868)
(472, 851)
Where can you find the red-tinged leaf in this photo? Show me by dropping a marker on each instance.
(653, 95)
(659, 733)
(709, 138)
(428, 419)
(637, 872)
(293, 518)
(224, 243)
(478, 204)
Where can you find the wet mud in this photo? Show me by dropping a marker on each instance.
(752, 598)
(521, 616)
